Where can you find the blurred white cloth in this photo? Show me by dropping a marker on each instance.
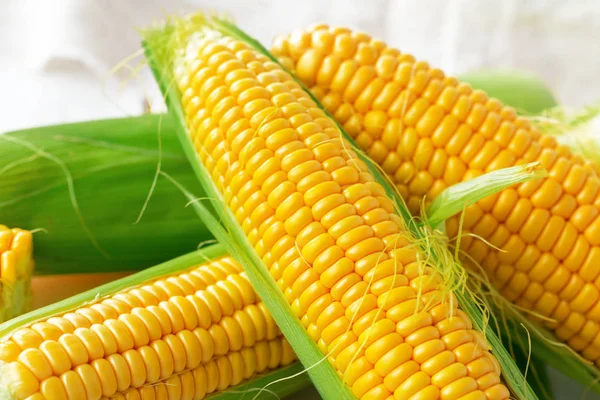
(57, 58)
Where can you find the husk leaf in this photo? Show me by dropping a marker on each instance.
(457, 197)
(84, 186)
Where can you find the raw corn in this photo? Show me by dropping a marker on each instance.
(177, 337)
(429, 131)
(56, 165)
(326, 230)
(16, 267)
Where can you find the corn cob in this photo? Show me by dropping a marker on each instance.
(326, 230)
(180, 336)
(16, 267)
(429, 131)
(56, 165)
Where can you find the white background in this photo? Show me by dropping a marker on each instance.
(57, 58)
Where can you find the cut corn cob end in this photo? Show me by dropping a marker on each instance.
(326, 231)
(429, 131)
(16, 268)
(178, 337)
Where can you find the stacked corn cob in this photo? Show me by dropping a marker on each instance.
(177, 337)
(429, 131)
(16, 267)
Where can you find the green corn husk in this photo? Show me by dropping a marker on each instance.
(329, 385)
(272, 384)
(84, 187)
(455, 198)
(525, 92)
